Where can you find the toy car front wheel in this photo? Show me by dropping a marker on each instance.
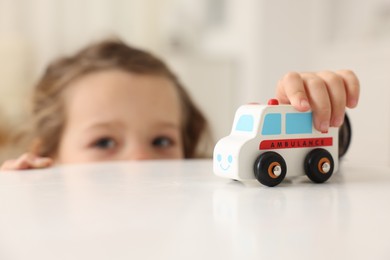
(319, 165)
(270, 169)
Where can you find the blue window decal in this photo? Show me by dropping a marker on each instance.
(245, 123)
(299, 123)
(272, 124)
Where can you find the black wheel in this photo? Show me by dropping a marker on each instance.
(270, 169)
(319, 165)
(345, 135)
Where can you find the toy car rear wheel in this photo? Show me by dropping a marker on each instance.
(319, 165)
(270, 169)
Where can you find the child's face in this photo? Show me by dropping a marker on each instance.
(116, 115)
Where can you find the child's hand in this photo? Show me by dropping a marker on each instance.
(326, 93)
(27, 161)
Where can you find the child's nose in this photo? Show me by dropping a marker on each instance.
(139, 152)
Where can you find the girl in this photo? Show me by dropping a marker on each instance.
(114, 102)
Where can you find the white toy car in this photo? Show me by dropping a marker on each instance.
(269, 141)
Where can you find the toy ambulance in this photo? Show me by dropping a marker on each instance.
(269, 141)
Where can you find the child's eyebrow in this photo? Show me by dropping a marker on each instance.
(103, 124)
(167, 124)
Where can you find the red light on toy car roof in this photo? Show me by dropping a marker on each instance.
(273, 102)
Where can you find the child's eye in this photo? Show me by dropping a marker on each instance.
(105, 143)
(162, 142)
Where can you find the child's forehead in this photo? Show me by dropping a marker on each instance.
(117, 82)
(122, 94)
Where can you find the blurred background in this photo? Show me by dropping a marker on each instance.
(226, 52)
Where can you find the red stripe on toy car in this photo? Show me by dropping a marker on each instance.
(295, 143)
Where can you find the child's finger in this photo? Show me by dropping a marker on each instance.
(16, 164)
(319, 100)
(8, 165)
(23, 162)
(291, 90)
(31, 161)
(27, 161)
(337, 94)
(352, 87)
(42, 162)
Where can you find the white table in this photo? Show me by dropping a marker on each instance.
(180, 210)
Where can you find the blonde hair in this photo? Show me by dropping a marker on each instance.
(48, 109)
